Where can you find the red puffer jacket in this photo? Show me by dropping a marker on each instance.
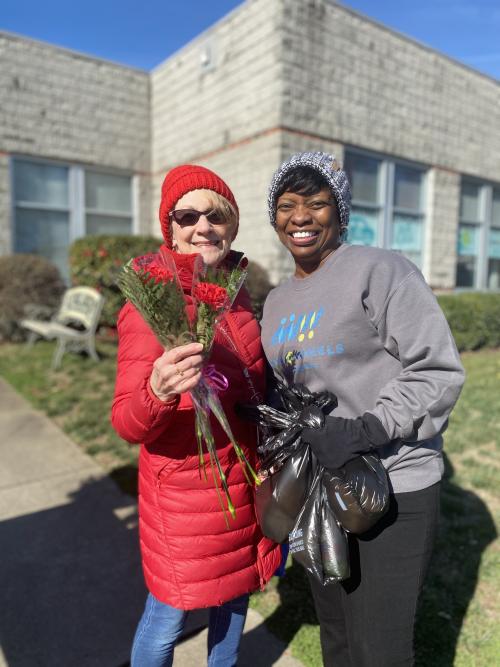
(190, 558)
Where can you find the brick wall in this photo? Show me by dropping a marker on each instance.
(353, 81)
(271, 78)
(5, 204)
(319, 76)
(443, 197)
(225, 115)
(65, 106)
(198, 109)
(68, 106)
(350, 79)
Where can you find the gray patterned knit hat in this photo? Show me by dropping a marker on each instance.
(327, 166)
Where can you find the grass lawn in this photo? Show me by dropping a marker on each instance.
(459, 622)
(77, 397)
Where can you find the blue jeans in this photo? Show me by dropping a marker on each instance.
(161, 626)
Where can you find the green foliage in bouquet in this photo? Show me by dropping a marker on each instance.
(154, 290)
(214, 290)
(151, 283)
(96, 261)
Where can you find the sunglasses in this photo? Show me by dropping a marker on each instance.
(190, 216)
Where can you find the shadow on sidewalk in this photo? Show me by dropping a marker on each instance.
(71, 581)
(296, 608)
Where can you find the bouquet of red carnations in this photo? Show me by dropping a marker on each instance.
(151, 284)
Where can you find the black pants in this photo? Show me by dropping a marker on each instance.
(368, 620)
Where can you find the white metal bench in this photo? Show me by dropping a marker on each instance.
(80, 306)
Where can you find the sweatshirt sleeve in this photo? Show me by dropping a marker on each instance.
(137, 414)
(416, 404)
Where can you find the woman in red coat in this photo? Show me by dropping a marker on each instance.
(190, 558)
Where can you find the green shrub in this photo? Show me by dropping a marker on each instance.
(474, 318)
(95, 261)
(30, 286)
(258, 285)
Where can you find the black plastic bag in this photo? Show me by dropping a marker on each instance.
(281, 428)
(358, 493)
(281, 495)
(334, 545)
(317, 541)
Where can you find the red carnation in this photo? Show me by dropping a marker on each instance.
(141, 263)
(159, 273)
(213, 295)
(156, 272)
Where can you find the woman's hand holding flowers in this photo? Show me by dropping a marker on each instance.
(176, 371)
(152, 285)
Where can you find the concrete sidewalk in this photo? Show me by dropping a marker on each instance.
(70, 577)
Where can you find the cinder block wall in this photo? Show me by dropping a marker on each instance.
(290, 75)
(443, 199)
(353, 81)
(5, 205)
(225, 114)
(62, 105)
(271, 78)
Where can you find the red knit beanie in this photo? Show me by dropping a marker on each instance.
(182, 180)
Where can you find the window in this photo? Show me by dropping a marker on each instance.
(408, 213)
(42, 212)
(364, 222)
(387, 205)
(108, 204)
(493, 278)
(478, 248)
(468, 235)
(47, 214)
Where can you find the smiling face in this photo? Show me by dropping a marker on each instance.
(210, 236)
(308, 226)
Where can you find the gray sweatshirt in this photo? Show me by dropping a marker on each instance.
(369, 329)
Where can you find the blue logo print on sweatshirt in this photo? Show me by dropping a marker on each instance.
(298, 328)
(301, 329)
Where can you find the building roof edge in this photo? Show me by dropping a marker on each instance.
(198, 38)
(72, 52)
(414, 40)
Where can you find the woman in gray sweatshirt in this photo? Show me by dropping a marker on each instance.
(369, 329)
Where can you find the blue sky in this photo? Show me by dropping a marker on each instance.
(144, 34)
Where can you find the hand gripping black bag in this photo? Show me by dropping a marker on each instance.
(358, 493)
(317, 542)
(281, 495)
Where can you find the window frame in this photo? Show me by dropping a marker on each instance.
(484, 224)
(385, 205)
(76, 208)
